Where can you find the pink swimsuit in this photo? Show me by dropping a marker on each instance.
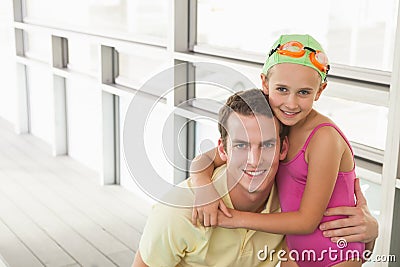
(315, 249)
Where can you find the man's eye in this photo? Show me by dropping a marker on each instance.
(281, 89)
(268, 145)
(240, 145)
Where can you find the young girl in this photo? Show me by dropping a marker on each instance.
(319, 169)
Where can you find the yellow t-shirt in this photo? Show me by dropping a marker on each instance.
(170, 239)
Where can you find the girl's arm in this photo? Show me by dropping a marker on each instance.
(324, 155)
(207, 199)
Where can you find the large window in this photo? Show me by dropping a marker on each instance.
(129, 19)
(7, 74)
(355, 33)
(361, 123)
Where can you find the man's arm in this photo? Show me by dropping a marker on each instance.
(360, 226)
(138, 261)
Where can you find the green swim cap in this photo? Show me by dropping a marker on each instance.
(310, 45)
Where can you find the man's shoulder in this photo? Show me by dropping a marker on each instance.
(170, 211)
(219, 173)
(167, 213)
(178, 214)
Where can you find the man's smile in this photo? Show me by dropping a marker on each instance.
(253, 173)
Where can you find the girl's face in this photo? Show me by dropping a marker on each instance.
(292, 90)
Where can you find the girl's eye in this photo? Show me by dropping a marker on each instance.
(304, 92)
(281, 89)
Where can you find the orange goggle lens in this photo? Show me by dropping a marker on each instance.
(291, 49)
(297, 49)
(320, 60)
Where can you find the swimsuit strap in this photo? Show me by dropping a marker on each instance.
(322, 125)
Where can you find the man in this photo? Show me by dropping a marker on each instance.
(252, 143)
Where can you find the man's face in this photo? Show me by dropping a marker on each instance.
(252, 151)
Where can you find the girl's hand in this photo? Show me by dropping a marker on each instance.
(228, 222)
(208, 214)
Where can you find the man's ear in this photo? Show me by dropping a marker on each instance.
(284, 149)
(264, 83)
(221, 150)
(321, 88)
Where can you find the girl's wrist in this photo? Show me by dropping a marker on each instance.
(239, 220)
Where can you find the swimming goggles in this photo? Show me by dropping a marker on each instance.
(296, 49)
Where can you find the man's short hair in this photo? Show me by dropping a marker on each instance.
(248, 103)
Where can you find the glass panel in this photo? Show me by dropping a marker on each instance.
(146, 17)
(84, 122)
(373, 194)
(135, 70)
(357, 33)
(38, 46)
(207, 135)
(362, 123)
(133, 18)
(126, 179)
(40, 86)
(7, 63)
(83, 56)
(210, 97)
(207, 95)
(154, 136)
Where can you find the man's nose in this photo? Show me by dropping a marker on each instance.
(254, 156)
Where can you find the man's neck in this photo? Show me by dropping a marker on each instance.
(245, 201)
